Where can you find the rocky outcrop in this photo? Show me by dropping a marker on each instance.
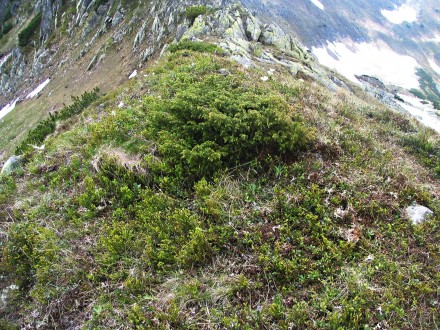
(250, 42)
(149, 26)
(49, 10)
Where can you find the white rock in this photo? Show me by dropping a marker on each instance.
(265, 78)
(11, 165)
(418, 213)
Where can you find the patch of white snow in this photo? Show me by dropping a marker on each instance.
(424, 113)
(318, 4)
(373, 59)
(434, 65)
(37, 90)
(133, 74)
(7, 108)
(404, 13)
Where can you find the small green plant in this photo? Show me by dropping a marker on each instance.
(195, 11)
(26, 34)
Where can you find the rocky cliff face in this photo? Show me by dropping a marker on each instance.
(72, 26)
(90, 31)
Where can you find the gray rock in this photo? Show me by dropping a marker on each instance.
(224, 72)
(156, 25)
(253, 30)
(92, 63)
(274, 35)
(117, 18)
(418, 213)
(147, 54)
(140, 35)
(11, 165)
(244, 61)
(181, 29)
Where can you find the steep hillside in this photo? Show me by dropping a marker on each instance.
(206, 195)
(76, 46)
(208, 173)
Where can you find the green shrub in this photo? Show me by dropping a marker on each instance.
(195, 11)
(417, 93)
(196, 46)
(26, 34)
(29, 254)
(218, 122)
(427, 150)
(7, 14)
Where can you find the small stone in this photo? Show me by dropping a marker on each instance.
(265, 78)
(418, 213)
(224, 72)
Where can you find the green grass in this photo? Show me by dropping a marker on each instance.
(37, 135)
(222, 201)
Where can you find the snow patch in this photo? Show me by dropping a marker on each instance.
(373, 59)
(434, 65)
(8, 108)
(133, 74)
(435, 38)
(318, 4)
(424, 113)
(404, 13)
(37, 90)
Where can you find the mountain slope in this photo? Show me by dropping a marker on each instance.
(214, 199)
(232, 183)
(396, 42)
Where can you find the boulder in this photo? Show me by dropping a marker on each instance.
(418, 213)
(253, 30)
(11, 165)
(274, 35)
